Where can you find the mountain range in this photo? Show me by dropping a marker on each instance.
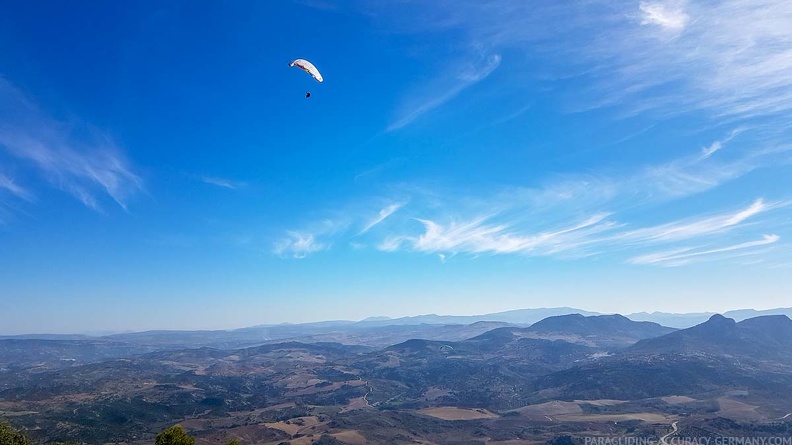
(551, 375)
(335, 330)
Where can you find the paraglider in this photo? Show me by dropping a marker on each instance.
(309, 68)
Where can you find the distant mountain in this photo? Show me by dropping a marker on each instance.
(518, 316)
(381, 336)
(744, 314)
(605, 332)
(36, 355)
(761, 338)
(47, 337)
(252, 335)
(686, 320)
(770, 329)
(497, 360)
(373, 331)
(379, 318)
(718, 354)
(364, 334)
(601, 330)
(680, 321)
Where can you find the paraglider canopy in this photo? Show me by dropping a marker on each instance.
(308, 94)
(308, 67)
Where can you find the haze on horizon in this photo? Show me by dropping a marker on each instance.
(161, 168)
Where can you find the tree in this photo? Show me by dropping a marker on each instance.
(327, 439)
(10, 436)
(232, 442)
(174, 435)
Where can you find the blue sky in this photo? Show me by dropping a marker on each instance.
(160, 166)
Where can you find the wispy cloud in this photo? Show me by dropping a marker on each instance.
(686, 229)
(381, 216)
(298, 245)
(576, 216)
(681, 257)
(478, 236)
(598, 234)
(10, 192)
(15, 189)
(445, 89)
(731, 58)
(729, 62)
(309, 239)
(570, 217)
(684, 176)
(664, 14)
(73, 157)
(530, 233)
(716, 146)
(222, 182)
(693, 174)
(709, 151)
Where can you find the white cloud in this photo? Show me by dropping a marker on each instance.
(597, 234)
(222, 182)
(444, 89)
(677, 178)
(693, 174)
(686, 229)
(541, 221)
(77, 159)
(664, 14)
(479, 236)
(312, 238)
(381, 216)
(716, 146)
(709, 151)
(298, 245)
(15, 189)
(684, 256)
(732, 58)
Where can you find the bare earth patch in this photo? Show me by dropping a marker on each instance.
(356, 403)
(550, 409)
(351, 437)
(262, 410)
(602, 402)
(515, 442)
(304, 440)
(434, 393)
(646, 417)
(297, 381)
(453, 413)
(294, 426)
(677, 399)
(736, 409)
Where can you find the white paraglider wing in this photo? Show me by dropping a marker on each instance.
(308, 67)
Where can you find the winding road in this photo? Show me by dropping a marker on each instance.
(365, 397)
(663, 439)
